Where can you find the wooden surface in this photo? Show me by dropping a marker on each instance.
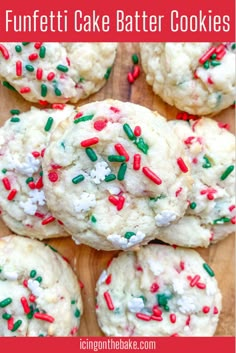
(89, 263)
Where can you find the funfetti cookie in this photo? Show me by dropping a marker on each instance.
(211, 214)
(39, 293)
(56, 72)
(198, 78)
(158, 291)
(23, 139)
(112, 172)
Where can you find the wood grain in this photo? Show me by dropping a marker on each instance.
(89, 263)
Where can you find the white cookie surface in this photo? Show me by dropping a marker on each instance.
(183, 76)
(211, 214)
(119, 167)
(158, 291)
(56, 72)
(23, 139)
(39, 293)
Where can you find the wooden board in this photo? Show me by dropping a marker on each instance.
(89, 263)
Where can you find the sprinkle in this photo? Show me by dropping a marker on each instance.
(182, 265)
(120, 203)
(210, 81)
(201, 285)
(110, 177)
(142, 145)
(10, 323)
(4, 170)
(25, 43)
(221, 55)
(48, 220)
(215, 310)
(39, 215)
(221, 220)
(121, 151)
(53, 176)
(6, 316)
(137, 131)
(223, 126)
(78, 179)
(206, 309)
(127, 129)
(6, 183)
(130, 77)
(4, 52)
(143, 317)
(122, 171)
(215, 63)
(136, 71)
(89, 142)
(49, 123)
(50, 76)
(151, 175)
(44, 317)
(25, 283)
(114, 109)
(115, 158)
(12, 194)
(227, 172)
(135, 59)
(207, 55)
(33, 56)
(206, 65)
(57, 92)
(108, 279)
(128, 235)
(5, 302)
(91, 154)
(178, 192)
(39, 279)
(42, 102)
(84, 118)
(99, 125)
(194, 280)
(208, 270)
(29, 68)
(137, 161)
(231, 208)
(81, 284)
(156, 311)
(31, 185)
(172, 318)
(157, 318)
(154, 287)
(42, 52)
(16, 325)
(14, 111)
(219, 48)
(107, 74)
(193, 205)
(207, 163)
(44, 90)
(93, 219)
(38, 45)
(113, 200)
(233, 220)
(18, 48)
(77, 313)
(188, 320)
(25, 90)
(18, 68)
(33, 273)
(62, 68)
(182, 165)
(36, 154)
(32, 298)
(60, 106)
(108, 300)
(25, 305)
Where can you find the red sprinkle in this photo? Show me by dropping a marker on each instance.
(206, 309)
(154, 288)
(81, 284)
(157, 318)
(51, 76)
(137, 161)
(233, 220)
(50, 219)
(224, 126)
(25, 305)
(36, 154)
(39, 73)
(182, 165)
(188, 320)
(12, 194)
(25, 283)
(195, 74)
(182, 266)
(207, 55)
(201, 285)
(136, 71)
(33, 56)
(137, 131)
(220, 48)
(194, 280)
(231, 208)
(60, 222)
(215, 310)
(10, 323)
(108, 300)
(189, 140)
(32, 298)
(39, 215)
(89, 142)
(59, 106)
(210, 196)
(39, 183)
(120, 204)
(68, 61)
(178, 191)
(139, 268)
(142, 316)
(99, 125)
(44, 317)
(221, 55)
(130, 78)
(18, 68)
(53, 176)
(31, 185)
(4, 51)
(38, 45)
(6, 183)
(43, 103)
(78, 115)
(121, 151)
(156, 311)
(114, 109)
(108, 279)
(25, 90)
(209, 80)
(113, 200)
(151, 175)
(172, 318)
(73, 331)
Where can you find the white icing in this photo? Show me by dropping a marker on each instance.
(164, 218)
(135, 305)
(29, 167)
(155, 267)
(100, 172)
(122, 243)
(85, 203)
(11, 276)
(186, 305)
(28, 207)
(35, 288)
(37, 196)
(178, 286)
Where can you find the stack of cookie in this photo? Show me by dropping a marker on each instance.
(113, 175)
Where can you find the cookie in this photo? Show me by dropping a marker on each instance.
(211, 214)
(198, 78)
(39, 293)
(158, 291)
(119, 167)
(23, 139)
(56, 72)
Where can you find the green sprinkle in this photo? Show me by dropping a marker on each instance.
(207, 163)
(6, 316)
(77, 313)
(193, 205)
(129, 132)
(122, 171)
(208, 269)
(15, 111)
(39, 279)
(62, 68)
(44, 90)
(221, 220)
(29, 68)
(166, 308)
(15, 119)
(116, 158)
(4, 170)
(28, 180)
(135, 59)
(81, 79)
(93, 219)
(63, 145)
(48, 125)
(117, 311)
(206, 65)
(142, 146)
(162, 196)
(33, 273)
(215, 63)
(25, 43)
(52, 248)
(91, 154)
(16, 325)
(107, 74)
(128, 235)
(78, 179)
(5, 302)
(162, 299)
(41, 173)
(213, 56)
(31, 313)
(18, 48)
(233, 46)
(57, 92)
(110, 177)
(144, 298)
(84, 118)
(40, 335)
(73, 301)
(42, 52)
(227, 172)
(7, 85)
